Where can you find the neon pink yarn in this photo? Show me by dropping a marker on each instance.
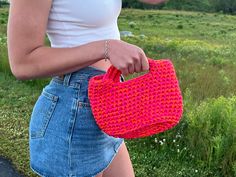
(139, 107)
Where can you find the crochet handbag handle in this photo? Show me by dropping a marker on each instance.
(114, 74)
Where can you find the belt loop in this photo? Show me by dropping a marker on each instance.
(67, 78)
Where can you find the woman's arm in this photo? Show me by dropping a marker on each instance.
(152, 1)
(28, 57)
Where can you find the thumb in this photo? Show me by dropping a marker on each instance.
(145, 63)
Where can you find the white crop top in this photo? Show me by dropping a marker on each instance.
(76, 22)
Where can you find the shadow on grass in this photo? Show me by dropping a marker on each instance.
(7, 169)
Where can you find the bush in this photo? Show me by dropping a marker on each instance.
(180, 26)
(211, 133)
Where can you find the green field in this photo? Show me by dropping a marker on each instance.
(202, 49)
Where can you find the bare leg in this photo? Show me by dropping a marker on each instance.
(99, 175)
(121, 164)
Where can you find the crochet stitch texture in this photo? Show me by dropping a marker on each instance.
(148, 104)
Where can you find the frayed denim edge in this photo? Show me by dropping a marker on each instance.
(107, 165)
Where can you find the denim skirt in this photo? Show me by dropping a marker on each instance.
(64, 139)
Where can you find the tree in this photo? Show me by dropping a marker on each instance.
(140, 5)
(227, 6)
(3, 2)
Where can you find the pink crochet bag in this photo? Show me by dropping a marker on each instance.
(139, 107)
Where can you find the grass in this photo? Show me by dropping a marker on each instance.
(198, 44)
(202, 48)
(16, 102)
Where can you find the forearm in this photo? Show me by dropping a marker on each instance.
(46, 61)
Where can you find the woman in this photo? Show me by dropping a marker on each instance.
(64, 139)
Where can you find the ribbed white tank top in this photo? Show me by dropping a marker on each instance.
(76, 22)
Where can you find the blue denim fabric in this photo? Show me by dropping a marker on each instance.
(64, 139)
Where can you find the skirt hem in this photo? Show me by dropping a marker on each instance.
(107, 165)
(90, 175)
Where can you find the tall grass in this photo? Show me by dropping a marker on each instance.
(211, 133)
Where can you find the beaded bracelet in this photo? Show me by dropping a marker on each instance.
(106, 50)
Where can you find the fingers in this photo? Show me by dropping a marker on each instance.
(144, 62)
(131, 68)
(138, 64)
(124, 71)
(134, 59)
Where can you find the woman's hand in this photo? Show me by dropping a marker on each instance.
(127, 58)
(153, 1)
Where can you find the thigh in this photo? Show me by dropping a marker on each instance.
(121, 164)
(99, 175)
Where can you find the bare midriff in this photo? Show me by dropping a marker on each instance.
(102, 64)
